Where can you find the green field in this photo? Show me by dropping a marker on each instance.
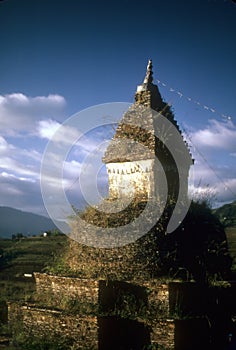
(26, 256)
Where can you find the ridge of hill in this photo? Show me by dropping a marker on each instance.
(227, 214)
(13, 221)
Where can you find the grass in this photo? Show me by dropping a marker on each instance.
(26, 256)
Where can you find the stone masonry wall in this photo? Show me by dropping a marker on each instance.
(158, 293)
(163, 334)
(88, 289)
(83, 331)
(83, 328)
(66, 286)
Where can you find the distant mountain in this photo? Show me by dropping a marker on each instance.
(13, 221)
(227, 214)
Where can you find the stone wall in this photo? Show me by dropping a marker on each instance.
(80, 288)
(163, 334)
(173, 316)
(135, 129)
(41, 322)
(99, 329)
(85, 332)
(158, 293)
(90, 289)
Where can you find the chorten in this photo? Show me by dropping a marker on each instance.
(138, 162)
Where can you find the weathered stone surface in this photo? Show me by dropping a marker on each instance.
(130, 262)
(163, 334)
(41, 322)
(137, 139)
(84, 329)
(131, 179)
(88, 289)
(85, 289)
(134, 138)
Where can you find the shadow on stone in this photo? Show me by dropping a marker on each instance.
(192, 334)
(116, 334)
(119, 301)
(113, 295)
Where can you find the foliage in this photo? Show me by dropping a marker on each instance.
(198, 246)
(197, 249)
(57, 266)
(227, 214)
(23, 341)
(66, 304)
(116, 218)
(17, 237)
(53, 233)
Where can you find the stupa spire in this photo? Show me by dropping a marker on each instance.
(147, 93)
(148, 77)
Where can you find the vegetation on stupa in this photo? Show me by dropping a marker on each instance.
(196, 250)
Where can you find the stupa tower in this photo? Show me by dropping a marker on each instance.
(137, 160)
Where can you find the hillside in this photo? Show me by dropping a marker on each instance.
(25, 256)
(13, 221)
(227, 214)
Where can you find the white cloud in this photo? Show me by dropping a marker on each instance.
(216, 135)
(213, 180)
(19, 167)
(21, 193)
(20, 113)
(12, 176)
(21, 146)
(35, 121)
(47, 128)
(5, 147)
(58, 133)
(72, 168)
(17, 162)
(3, 143)
(31, 154)
(214, 149)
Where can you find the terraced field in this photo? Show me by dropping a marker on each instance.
(26, 256)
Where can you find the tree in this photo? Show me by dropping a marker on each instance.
(198, 246)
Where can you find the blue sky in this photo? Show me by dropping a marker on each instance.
(60, 57)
